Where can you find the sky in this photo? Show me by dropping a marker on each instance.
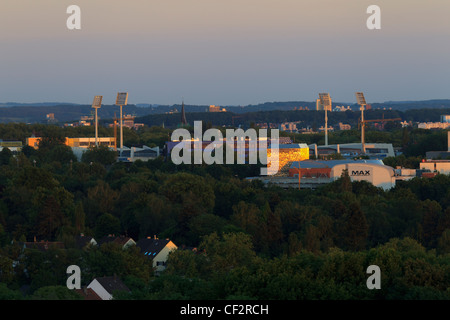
(223, 52)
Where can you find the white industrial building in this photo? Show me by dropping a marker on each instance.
(135, 153)
(314, 173)
(379, 175)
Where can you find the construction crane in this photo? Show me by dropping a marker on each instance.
(362, 123)
(378, 120)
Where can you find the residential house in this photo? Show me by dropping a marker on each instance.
(42, 245)
(158, 250)
(82, 241)
(105, 287)
(88, 294)
(124, 241)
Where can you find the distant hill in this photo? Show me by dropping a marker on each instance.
(34, 113)
(67, 112)
(408, 105)
(33, 104)
(306, 117)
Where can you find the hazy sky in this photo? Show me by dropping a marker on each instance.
(223, 52)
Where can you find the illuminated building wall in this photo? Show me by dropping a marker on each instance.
(76, 142)
(290, 153)
(287, 153)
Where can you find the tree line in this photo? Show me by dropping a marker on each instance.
(252, 241)
(308, 118)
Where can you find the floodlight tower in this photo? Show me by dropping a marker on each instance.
(325, 101)
(362, 103)
(121, 100)
(96, 104)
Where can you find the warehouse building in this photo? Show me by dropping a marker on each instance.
(315, 173)
(349, 150)
(437, 166)
(83, 142)
(319, 172)
(13, 145)
(143, 153)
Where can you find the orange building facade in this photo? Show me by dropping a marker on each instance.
(84, 142)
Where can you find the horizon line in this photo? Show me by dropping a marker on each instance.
(3, 104)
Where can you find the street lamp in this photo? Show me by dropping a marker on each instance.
(122, 100)
(96, 104)
(325, 101)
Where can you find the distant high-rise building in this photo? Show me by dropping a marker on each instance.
(343, 126)
(445, 118)
(128, 120)
(213, 108)
(51, 118)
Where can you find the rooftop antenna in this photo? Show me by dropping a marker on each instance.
(325, 101)
(96, 104)
(362, 103)
(121, 100)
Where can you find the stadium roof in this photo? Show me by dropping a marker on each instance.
(330, 163)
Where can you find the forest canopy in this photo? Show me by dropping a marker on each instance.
(252, 241)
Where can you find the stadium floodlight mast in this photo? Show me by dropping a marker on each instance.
(96, 104)
(325, 101)
(362, 103)
(121, 100)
